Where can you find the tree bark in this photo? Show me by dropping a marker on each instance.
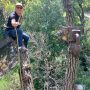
(26, 80)
(70, 71)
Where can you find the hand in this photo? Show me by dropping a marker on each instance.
(18, 23)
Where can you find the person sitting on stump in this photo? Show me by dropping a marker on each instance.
(13, 26)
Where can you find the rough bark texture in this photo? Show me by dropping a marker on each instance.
(25, 71)
(8, 57)
(70, 71)
(4, 42)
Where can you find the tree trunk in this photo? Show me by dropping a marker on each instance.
(69, 14)
(70, 73)
(26, 80)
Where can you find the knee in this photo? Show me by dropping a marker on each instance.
(27, 38)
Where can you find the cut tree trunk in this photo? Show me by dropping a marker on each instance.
(26, 80)
(8, 59)
(71, 65)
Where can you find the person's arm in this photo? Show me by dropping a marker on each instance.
(14, 23)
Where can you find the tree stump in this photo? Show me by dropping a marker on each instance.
(8, 57)
(26, 80)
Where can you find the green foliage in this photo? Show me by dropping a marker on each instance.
(42, 19)
(10, 80)
(86, 5)
(7, 5)
(43, 16)
(83, 78)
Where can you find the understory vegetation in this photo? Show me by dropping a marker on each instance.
(42, 19)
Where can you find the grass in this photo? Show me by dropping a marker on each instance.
(10, 81)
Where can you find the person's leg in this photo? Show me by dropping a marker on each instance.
(19, 32)
(12, 33)
(26, 39)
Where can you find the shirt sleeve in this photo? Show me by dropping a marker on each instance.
(12, 16)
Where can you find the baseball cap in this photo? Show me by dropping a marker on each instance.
(19, 4)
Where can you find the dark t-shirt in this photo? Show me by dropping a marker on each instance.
(13, 15)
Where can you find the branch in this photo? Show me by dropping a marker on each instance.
(78, 13)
